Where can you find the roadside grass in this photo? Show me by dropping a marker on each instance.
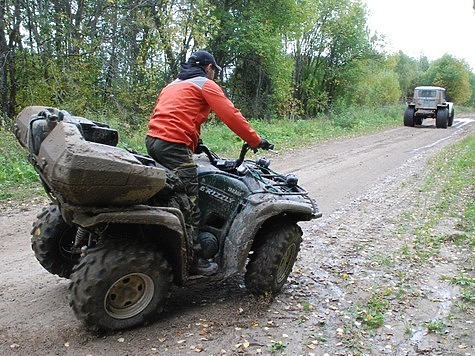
(443, 214)
(19, 182)
(447, 194)
(18, 179)
(450, 183)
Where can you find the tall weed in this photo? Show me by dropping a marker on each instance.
(15, 171)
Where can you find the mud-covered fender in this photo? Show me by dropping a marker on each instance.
(254, 214)
(165, 219)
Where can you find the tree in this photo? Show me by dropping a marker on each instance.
(335, 37)
(451, 74)
(379, 85)
(10, 40)
(408, 72)
(249, 46)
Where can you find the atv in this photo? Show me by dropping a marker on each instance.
(110, 230)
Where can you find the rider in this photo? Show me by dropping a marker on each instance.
(175, 126)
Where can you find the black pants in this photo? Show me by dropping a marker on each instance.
(179, 159)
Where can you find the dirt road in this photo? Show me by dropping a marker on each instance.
(351, 260)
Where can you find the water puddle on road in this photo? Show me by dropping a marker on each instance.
(444, 299)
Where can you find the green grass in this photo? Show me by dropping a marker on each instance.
(448, 193)
(436, 326)
(19, 181)
(277, 347)
(467, 285)
(287, 134)
(373, 312)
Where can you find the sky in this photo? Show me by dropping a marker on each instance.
(428, 28)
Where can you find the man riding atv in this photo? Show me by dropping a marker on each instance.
(175, 126)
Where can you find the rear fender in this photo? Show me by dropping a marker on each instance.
(164, 226)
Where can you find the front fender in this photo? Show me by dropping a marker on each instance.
(246, 224)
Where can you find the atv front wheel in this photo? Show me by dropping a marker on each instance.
(52, 241)
(273, 258)
(120, 285)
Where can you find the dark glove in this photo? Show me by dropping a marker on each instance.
(266, 145)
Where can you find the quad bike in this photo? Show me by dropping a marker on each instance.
(110, 230)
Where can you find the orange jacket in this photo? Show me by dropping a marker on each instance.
(184, 105)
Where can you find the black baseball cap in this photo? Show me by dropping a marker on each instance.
(203, 58)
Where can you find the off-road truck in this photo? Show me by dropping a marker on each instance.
(111, 230)
(429, 102)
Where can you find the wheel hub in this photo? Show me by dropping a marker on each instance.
(286, 263)
(129, 296)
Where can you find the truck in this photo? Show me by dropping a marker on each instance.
(429, 102)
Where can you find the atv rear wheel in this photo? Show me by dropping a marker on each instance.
(120, 285)
(52, 241)
(273, 258)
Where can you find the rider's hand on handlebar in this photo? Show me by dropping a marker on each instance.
(266, 145)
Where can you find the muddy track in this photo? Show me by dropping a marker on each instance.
(367, 188)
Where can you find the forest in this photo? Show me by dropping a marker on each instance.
(287, 59)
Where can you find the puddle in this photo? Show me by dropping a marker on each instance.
(443, 297)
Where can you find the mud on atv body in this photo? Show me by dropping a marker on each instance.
(110, 230)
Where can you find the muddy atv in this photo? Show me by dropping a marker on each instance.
(111, 230)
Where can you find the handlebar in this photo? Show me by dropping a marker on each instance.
(226, 164)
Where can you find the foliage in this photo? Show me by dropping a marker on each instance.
(286, 58)
(15, 170)
(378, 85)
(334, 39)
(471, 79)
(453, 75)
(250, 42)
(408, 70)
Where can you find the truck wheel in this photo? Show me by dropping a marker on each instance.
(441, 120)
(120, 285)
(273, 258)
(52, 241)
(409, 117)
